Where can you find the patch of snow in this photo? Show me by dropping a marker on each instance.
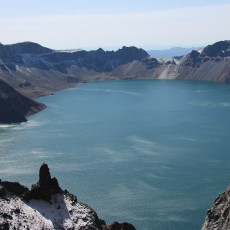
(200, 50)
(69, 51)
(61, 213)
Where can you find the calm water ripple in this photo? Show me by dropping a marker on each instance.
(153, 153)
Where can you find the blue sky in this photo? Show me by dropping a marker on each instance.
(110, 24)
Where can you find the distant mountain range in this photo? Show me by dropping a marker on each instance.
(169, 53)
(34, 70)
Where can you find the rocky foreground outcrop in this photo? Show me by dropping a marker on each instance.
(46, 206)
(218, 216)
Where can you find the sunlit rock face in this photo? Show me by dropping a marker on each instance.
(218, 215)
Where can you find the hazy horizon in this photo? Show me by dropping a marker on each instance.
(110, 25)
(115, 48)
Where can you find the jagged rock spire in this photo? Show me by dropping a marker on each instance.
(45, 187)
(44, 174)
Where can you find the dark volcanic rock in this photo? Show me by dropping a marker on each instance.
(221, 48)
(28, 47)
(47, 59)
(14, 106)
(14, 188)
(212, 64)
(2, 191)
(44, 174)
(45, 187)
(36, 71)
(151, 63)
(97, 60)
(4, 226)
(118, 226)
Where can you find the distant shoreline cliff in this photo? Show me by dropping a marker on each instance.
(33, 70)
(14, 106)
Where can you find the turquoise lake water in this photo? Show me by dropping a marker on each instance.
(152, 153)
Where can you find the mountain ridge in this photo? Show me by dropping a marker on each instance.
(34, 70)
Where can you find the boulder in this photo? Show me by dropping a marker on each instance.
(118, 226)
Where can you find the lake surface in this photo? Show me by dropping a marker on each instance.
(152, 153)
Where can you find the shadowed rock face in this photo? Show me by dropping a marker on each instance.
(221, 49)
(44, 58)
(14, 106)
(13, 187)
(118, 226)
(44, 174)
(36, 71)
(45, 187)
(212, 64)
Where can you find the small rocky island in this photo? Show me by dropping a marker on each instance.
(47, 206)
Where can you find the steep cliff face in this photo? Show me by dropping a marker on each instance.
(218, 49)
(212, 64)
(14, 107)
(35, 71)
(218, 216)
(47, 206)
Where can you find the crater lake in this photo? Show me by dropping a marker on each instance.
(154, 153)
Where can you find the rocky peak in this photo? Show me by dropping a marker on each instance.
(132, 53)
(100, 50)
(194, 54)
(45, 187)
(28, 47)
(221, 48)
(44, 174)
